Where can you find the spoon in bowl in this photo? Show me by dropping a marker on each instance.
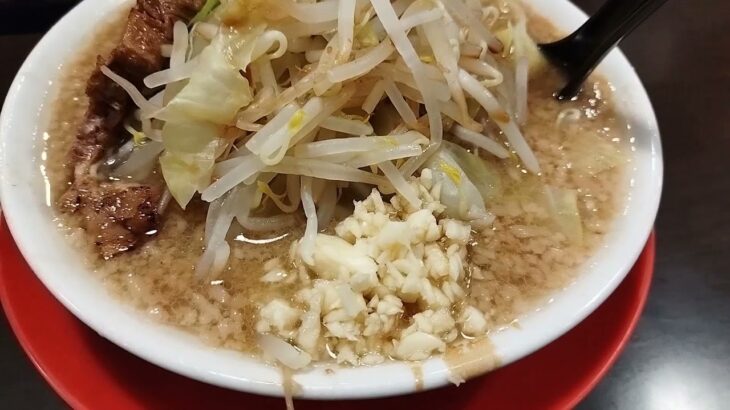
(580, 52)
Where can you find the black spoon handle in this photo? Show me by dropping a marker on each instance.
(581, 51)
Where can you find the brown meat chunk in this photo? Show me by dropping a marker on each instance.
(138, 55)
(120, 215)
(116, 215)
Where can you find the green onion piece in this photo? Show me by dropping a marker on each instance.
(205, 11)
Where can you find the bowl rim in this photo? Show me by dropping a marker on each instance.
(174, 350)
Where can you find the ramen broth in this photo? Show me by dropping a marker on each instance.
(514, 266)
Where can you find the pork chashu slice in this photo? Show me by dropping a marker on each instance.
(118, 214)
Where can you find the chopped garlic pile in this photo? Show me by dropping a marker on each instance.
(389, 284)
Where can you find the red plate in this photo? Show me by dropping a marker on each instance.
(89, 372)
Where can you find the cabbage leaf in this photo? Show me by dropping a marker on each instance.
(484, 175)
(217, 89)
(590, 154)
(189, 157)
(458, 193)
(564, 207)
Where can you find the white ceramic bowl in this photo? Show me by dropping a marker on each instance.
(30, 220)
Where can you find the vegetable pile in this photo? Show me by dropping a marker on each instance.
(311, 98)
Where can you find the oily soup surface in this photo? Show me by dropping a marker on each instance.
(515, 265)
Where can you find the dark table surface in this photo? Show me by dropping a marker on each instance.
(679, 357)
